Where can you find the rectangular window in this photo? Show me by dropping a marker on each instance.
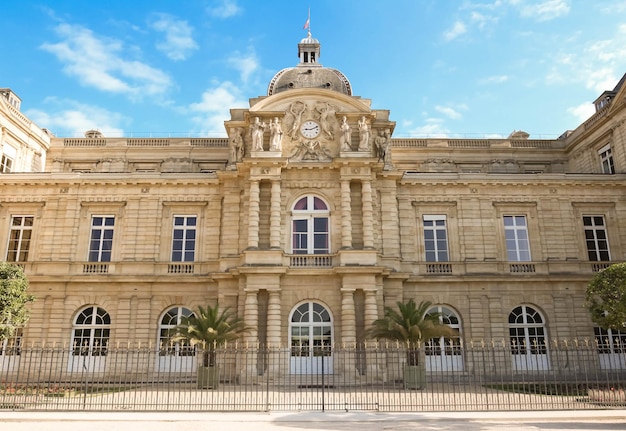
(19, 238)
(596, 238)
(101, 240)
(6, 165)
(606, 159)
(435, 238)
(516, 236)
(184, 239)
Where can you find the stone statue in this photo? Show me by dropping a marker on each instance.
(364, 135)
(257, 128)
(236, 145)
(380, 143)
(345, 140)
(276, 135)
(387, 156)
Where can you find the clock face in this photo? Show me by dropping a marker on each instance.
(310, 129)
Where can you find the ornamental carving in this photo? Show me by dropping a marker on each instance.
(311, 151)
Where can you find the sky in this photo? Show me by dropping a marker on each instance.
(454, 68)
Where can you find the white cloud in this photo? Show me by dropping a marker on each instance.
(433, 128)
(97, 62)
(72, 118)
(598, 65)
(483, 21)
(179, 43)
(224, 9)
(495, 79)
(214, 108)
(582, 112)
(245, 64)
(457, 30)
(544, 10)
(450, 112)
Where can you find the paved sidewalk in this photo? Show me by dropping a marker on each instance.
(482, 421)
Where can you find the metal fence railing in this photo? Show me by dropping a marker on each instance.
(492, 376)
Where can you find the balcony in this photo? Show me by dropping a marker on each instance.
(348, 258)
(311, 261)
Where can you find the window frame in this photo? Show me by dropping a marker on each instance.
(6, 163)
(607, 162)
(177, 348)
(184, 241)
(94, 329)
(594, 231)
(311, 235)
(20, 241)
(101, 240)
(434, 240)
(517, 240)
(529, 331)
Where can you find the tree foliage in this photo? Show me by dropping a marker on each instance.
(606, 297)
(410, 324)
(209, 327)
(14, 298)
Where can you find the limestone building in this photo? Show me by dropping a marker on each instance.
(310, 218)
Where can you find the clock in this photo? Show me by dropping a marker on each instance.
(310, 129)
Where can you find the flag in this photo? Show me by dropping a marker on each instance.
(306, 24)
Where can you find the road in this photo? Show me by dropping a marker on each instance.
(596, 420)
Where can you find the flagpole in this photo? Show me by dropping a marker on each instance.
(309, 21)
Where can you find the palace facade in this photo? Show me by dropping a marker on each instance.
(309, 219)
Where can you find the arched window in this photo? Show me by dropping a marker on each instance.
(527, 336)
(310, 226)
(311, 337)
(91, 329)
(444, 353)
(611, 345)
(172, 318)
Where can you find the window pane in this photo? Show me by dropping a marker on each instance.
(320, 224)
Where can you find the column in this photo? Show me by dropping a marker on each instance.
(251, 316)
(348, 317)
(371, 308)
(275, 221)
(368, 215)
(249, 369)
(253, 216)
(274, 319)
(346, 215)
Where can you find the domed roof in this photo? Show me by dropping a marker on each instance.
(309, 77)
(309, 73)
(310, 39)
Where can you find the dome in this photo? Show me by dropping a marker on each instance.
(309, 77)
(310, 40)
(309, 73)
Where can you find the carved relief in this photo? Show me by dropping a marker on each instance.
(325, 113)
(294, 118)
(311, 151)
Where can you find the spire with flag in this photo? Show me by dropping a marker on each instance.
(307, 24)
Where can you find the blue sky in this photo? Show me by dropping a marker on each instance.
(442, 67)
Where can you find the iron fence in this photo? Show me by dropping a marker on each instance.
(477, 377)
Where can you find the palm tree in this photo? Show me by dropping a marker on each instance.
(210, 328)
(411, 324)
